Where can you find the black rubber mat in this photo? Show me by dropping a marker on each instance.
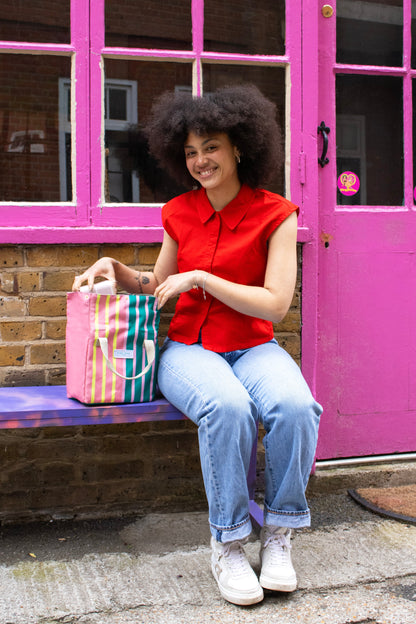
(398, 503)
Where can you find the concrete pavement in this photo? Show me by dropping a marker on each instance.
(352, 565)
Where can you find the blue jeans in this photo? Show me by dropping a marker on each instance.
(225, 395)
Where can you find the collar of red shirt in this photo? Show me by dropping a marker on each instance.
(232, 213)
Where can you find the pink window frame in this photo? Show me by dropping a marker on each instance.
(88, 219)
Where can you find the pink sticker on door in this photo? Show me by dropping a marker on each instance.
(348, 183)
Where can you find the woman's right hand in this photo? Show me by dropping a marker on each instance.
(104, 267)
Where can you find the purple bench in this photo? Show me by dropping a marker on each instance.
(49, 406)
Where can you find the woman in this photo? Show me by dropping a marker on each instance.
(229, 252)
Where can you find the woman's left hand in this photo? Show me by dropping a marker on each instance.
(175, 285)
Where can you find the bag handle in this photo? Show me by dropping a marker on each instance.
(149, 346)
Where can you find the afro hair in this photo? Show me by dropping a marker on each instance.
(242, 112)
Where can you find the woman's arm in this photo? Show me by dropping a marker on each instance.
(270, 302)
(129, 279)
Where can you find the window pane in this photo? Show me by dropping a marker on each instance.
(117, 104)
(370, 139)
(270, 81)
(131, 174)
(370, 33)
(47, 21)
(144, 24)
(245, 27)
(36, 134)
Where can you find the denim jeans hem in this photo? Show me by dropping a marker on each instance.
(289, 519)
(229, 534)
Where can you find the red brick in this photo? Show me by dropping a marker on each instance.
(11, 256)
(14, 331)
(47, 353)
(12, 306)
(12, 355)
(148, 255)
(28, 282)
(47, 306)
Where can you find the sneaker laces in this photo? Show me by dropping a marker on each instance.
(279, 545)
(236, 559)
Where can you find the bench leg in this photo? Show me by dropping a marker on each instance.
(256, 512)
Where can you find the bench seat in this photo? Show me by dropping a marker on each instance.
(49, 406)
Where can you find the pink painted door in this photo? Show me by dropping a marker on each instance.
(366, 371)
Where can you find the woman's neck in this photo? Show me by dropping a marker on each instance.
(219, 198)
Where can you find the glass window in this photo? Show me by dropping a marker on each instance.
(144, 24)
(41, 22)
(245, 27)
(370, 138)
(270, 81)
(370, 33)
(131, 87)
(35, 161)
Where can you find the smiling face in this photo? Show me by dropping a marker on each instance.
(212, 160)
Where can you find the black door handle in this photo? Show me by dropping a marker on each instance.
(324, 130)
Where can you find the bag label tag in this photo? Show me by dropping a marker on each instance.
(124, 354)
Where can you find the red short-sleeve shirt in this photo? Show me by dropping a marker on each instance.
(232, 244)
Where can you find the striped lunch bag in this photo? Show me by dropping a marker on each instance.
(111, 347)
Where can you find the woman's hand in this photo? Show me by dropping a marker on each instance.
(175, 285)
(130, 280)
(102, 268)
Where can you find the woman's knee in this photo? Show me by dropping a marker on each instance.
(233, 410)
(300, 412)
(308, 414)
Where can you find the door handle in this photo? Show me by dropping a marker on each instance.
(324, 130)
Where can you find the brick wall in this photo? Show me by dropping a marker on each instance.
(94, 470)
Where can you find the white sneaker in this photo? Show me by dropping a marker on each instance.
(277, 571)
(236, 580)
